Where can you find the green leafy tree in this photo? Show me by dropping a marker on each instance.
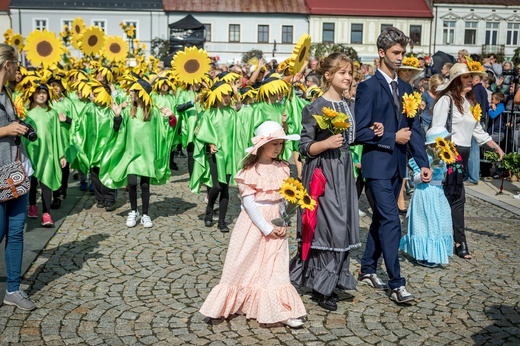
(252, 54)
(319, 50)
(160, 48)
(516, 57)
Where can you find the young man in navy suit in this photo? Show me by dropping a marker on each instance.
(384, 159)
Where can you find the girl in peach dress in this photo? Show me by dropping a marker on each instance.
(255, 278)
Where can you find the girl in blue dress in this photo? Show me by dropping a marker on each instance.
(430, 232)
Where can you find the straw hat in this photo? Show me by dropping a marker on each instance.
(437, 131)
(458, 70)
(268, 131)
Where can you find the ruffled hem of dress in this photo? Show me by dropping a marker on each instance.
(266, 305)
(428, 249)
(327, 248)
(320, 279)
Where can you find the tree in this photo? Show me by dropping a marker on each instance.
(160, 48)
(516, 57)
(319, 50)
(253, 53)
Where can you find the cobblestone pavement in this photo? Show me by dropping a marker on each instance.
(98, 282)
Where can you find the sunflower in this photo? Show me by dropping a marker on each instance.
(43, 48)
(215, 93)
(290, 193)
(474, 66)
(300, 53)
(130, 32)
(92, 40)
(78, 26)
(190, 66)
(410, 61)
(447, 156)
(115, 49)
(272, 85)
(20, 107)
(339, 126)
(476, 111)
(75, 40)
(139, 87)
(306, 202)
(410, 105)
(17, 42)
(299, 186)
(329, 112)
(441, 143)
(101, 96)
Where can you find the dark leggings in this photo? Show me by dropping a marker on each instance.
(189, 150)
(457, 207)
(218, 188)
(101, 192)
(46, 194)
(145, 192)
(65, 172)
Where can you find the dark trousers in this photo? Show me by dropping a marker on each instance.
(218, 188)
(145, 192)
(65, 172)
(101, 192)
(385, 231)
(46, 194)
(457, 207)
(189, 150)
(360, 184)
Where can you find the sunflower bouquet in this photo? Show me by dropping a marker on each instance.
(336, 122)
(444, 151)
(294, 193)
(476, 111)
(411, 103)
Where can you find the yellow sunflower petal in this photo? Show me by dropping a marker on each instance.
(115, 48)
(191, 65)
(329, 112)
(43, 48)
(300, 54)
(92, 40)
(410, 61)
(296, 183)
(441, 143)
(290, 193)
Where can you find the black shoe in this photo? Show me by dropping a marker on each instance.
(100, 204)
(208, 220)
(326, 302)
(56, 203)
(110, 206)
(174, 167)
(223, 227)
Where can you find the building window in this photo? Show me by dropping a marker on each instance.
(491, 33)
(40, 24)
(68, 23)
(328, 33)
(470, 33)
(263, 33)
(287, 34)
(128, 25)
(356, 33)
(234, 33)
(448, 32)
(99, 23)
(415, 34)
(207, 32)
(384, 26)
(512, 34)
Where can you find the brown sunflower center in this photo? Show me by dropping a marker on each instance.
(16, 42)
(191, 66)
(289, 193)
(303, 52)
(92, 40)
(115, 48)
(77, 29)
(44, 48)
(306, 199)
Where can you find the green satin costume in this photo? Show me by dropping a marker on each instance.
(294, 107)
(188, 119)
(217, 126)
(169, 102)
(66, 106)
(45, 153)
(141, 148)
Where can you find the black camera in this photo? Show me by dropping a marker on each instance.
(31, 132)
(513, 72)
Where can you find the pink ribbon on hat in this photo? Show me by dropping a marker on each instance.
(258, 141)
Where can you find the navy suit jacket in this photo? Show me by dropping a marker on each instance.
(382, 156)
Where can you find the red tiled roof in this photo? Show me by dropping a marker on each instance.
(373, 8)
(479, 2)
(4, 5)
(239, 6)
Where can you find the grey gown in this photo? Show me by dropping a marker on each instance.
(337, 228)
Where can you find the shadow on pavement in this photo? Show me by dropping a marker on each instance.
(505, 319)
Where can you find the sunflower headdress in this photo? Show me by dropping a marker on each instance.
(300, 54)
(313, 92)
(115, 49)
(227, 76)
(92, 40)
(272, 85)
(58, 76)
(248, 92)
(215, 93)
(105, 72)
(102, 96)
(191, 65)
(143, 90)
(83, 87)
(43, 48)
(33, 86)
(159, 82)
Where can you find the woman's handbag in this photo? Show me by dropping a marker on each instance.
(14, 182)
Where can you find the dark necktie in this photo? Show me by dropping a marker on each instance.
(397, 104)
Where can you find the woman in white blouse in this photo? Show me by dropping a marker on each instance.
(458, 91)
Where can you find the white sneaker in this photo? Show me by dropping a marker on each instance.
(293, 322)
(362, 213)
(517, 196)
(131, 221)
(146, 221)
